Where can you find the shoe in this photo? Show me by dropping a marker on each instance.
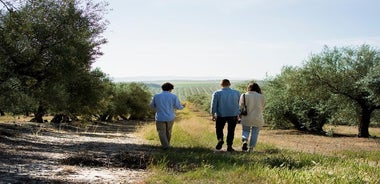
(219, 145)
(244, 147)
(230, 149)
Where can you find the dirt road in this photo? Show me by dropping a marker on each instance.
(103, 153)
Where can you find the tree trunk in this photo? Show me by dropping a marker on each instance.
(63, 118)
(109, 118)
(38, 116)
(364, 122)
(2, 113)
(295, 121)
(57, 118)
(103, 117)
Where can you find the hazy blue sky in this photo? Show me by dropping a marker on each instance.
(236, 39)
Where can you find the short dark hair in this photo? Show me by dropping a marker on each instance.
(225, 83)
(167, 86)
(254, 87)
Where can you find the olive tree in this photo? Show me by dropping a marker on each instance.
(334, 85)
(46, 45)
(290, 102)
(128, 101)
(350, 73)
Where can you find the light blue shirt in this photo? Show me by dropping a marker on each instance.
(225, 102)
(165, 103)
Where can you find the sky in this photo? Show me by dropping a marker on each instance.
(233, 39)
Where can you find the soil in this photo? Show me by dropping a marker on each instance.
(45, 153)
(345, 140)
(113, 153)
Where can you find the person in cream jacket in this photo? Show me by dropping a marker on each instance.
(254, 120)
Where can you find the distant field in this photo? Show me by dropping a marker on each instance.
(183, 89)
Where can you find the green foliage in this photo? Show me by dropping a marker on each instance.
(47, 48)
(338, 85)
(289, 101)
(86, 94)
(132, 99)
(127, 100)
(351, 74)
(202, 101)
(372, 83)
(13, 99)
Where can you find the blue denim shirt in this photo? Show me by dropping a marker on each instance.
(165, 103)
(225, 102)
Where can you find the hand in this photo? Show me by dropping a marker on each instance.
(213, 118)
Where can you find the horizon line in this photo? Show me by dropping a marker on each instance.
(173, 78)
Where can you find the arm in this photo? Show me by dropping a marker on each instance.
(178, 104)
(213, 107)
(152, 104)
(241, 101)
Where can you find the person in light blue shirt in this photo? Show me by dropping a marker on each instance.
(165, 104)
(225, 109)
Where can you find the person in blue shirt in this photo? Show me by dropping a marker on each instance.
(165, 104)
(225, 109)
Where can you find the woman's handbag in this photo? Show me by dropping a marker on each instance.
(243, 111)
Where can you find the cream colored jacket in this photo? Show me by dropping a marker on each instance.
(255, 103)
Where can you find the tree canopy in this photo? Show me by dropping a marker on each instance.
(47, 48)
(46, 51)
(331, 83)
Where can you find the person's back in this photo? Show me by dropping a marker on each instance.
(225, 109)
(253, 120)
(255, 106)
(165, 104)
(225, 102)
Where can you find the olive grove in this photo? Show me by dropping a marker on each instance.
(47, 48)
(338, 85)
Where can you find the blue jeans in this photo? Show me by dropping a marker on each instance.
(254, 131)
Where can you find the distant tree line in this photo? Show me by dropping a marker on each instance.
(47, 48)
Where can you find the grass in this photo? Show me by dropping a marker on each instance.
(192, 159)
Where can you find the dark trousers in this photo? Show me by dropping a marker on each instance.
(231, 124)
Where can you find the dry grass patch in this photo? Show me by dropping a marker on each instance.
(298, 141)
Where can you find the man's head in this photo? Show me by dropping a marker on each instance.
(167, 86)
(225, 83)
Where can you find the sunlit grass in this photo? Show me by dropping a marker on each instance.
(193, 159)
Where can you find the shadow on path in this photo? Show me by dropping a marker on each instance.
(42, 153)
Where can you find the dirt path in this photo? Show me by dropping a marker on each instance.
(112, 153)
(104, 153)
